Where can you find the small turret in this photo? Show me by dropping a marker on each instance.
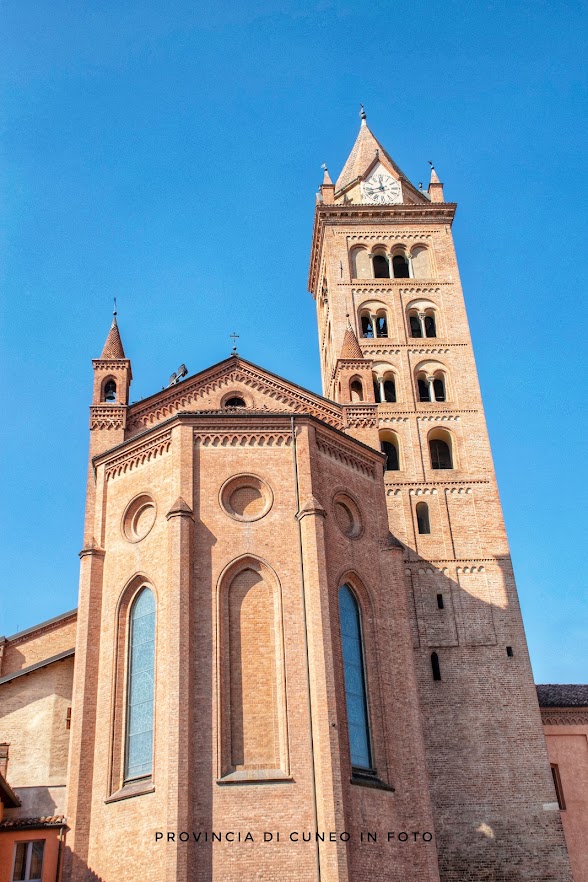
(112, 371)
(435, 186)
(327, 187)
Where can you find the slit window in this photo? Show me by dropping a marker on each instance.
(422, 513)
(557, 784)
(440, 604)
(435, 666)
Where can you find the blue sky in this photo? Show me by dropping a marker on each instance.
(168, 155)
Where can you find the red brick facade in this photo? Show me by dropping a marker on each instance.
(244, 522)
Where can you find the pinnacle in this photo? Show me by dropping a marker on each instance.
(113, 347)
(434, 176)
(350, 348)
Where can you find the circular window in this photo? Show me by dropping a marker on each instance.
(246, 497)
(138, 518)
(347, 516)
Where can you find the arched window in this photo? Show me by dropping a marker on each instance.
(381, 266)
(140, 686)
(400, 267)
(392, 460)
(381, 325)
(355, 680)
(356, 390)
(435, 666)
(439, 387)
(430, 327)
(422, 513)
(423, 388)
(389, 389)
(366, 325)
(235, 402)
(440, 454)
(110, 390)
(415, 325)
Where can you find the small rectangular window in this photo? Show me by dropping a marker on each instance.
(558, 788)
(68, 718)
(440, 603)
(509, 651)
(28, 861)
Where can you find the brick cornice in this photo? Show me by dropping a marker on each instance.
(564, 716)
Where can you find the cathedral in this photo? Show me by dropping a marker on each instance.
(298, 652)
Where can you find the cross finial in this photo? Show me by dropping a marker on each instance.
(114, 310)
(234, 338)
(362, 114)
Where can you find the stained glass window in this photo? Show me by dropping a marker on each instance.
(140, 691)
(355, 691)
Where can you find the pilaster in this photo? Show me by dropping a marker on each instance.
(328, 786)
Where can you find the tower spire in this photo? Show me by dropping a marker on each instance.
(113, 348)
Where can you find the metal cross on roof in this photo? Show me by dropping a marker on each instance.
(234, 338)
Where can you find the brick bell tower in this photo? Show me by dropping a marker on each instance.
(395, 350)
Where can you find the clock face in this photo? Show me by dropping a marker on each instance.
(381, 187)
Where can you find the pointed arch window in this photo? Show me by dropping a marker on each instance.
(356, 390)
(140, 686)
(355, 680)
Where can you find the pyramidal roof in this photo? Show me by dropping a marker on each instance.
(113, 347)
(362, 156)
